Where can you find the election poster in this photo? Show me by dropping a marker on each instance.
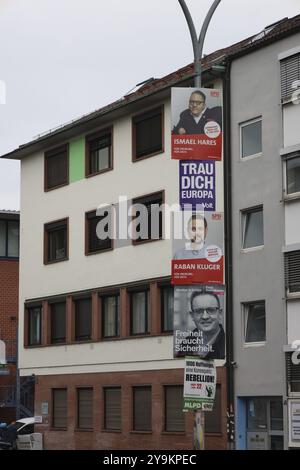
(199, 321)
(197, 132)
(200, 378)
(197, 182)
(198, 248)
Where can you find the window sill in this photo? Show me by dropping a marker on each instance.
(111, 431)
(97, 252)
(141, 432)
(251, 157)
(138, 159)
(173, 433)
(253, 249)
(56, 261)
(106, 170)
(47, 190)
(291, 197)
(142, 242)
(254, 345)
(9, 258)
(83, 430)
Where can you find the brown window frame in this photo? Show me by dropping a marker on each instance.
(117, 324)
(53, 390)
(140, 387)
(47, 229)
(105, 427)
(92, 137)
(6, 223)
(78, 390)
(88, 251)
(82, 338)
(166, 387)
(28, 310)
(139, 118)
(131, 292)
(52, 339)
(139, 200)
(162, 288)
(50, 153)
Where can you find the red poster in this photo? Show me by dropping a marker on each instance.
(196, 124)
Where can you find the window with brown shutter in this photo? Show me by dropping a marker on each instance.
(58, 322)
(112, 409)
(56, 246)
(213, 419)
(147, 134)
(174, 416)
(85, 408)
(142, 409)
(94, 244)
(59, 408)
(147, 224)
(83, 319)
(57, 168)
(292, 271)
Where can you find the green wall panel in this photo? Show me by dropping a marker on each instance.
(77, 160)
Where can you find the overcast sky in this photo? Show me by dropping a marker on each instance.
(60, 59)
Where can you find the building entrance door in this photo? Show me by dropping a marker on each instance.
(264, 423)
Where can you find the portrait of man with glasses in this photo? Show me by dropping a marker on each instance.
(200, 331)
(194, 119)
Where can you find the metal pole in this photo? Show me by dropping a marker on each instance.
(18, 385)
(198, 43)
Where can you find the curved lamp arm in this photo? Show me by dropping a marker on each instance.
(198, 43)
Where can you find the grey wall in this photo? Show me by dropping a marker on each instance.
(259, 275)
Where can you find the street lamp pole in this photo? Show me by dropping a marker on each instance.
(198, 43)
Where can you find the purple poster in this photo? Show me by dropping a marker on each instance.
(197, 180)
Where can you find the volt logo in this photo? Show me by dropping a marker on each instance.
(296, 353)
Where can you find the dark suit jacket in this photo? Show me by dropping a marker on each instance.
(188, 122)
(218, 347)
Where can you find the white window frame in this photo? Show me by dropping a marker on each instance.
(245, 315)
(241, 126)
(244, 213)
(286, 195)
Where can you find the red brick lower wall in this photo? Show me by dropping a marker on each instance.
(157, 439)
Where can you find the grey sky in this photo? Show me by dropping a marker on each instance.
(63, 58)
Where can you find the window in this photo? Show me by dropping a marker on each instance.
(57, 168)
(174, 416)
(112, 409)
(139, 307)
(292, 271)
(293, 175)
(59, 408)
(148, 218)
(167, 308)
(111, 316)
(253, 228)
(142, 404)
(85, 408)
(292, 374)
(83, 319)
(9, 238)
(147, 134)
(93, 243)
(99, 152)
(255, 322)
(290, 73)
(251, 138)
(213, 419)
(56, 241)
(34, 326)
(58, 322)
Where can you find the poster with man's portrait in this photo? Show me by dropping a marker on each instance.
(198, 248)
(199, 321)
(197, 131)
